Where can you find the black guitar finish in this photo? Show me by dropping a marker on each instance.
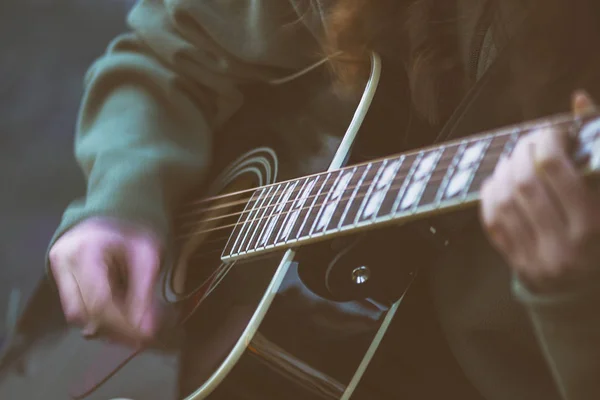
(310, 344)
(335, 295)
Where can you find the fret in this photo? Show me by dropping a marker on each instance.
(406, 182)
(323, 206)
(451, 171)
(400, 180)
(277, 224)
(448, 157)
(420, 176)
(275, 212)
(258, 219)
(489, 162)
(381, 187)
(354, 208)
(307, 206)
(250, 211)
(296, 210)
(317, 205)
(359, 174)
(370, 188)
(337, 192)
(464, 171)
(477, 165)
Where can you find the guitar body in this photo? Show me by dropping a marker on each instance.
(291, 324)
(270, 329)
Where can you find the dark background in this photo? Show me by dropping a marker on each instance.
(45, 48)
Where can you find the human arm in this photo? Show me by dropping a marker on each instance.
(150, 107)
(567, 325)
(545, 219)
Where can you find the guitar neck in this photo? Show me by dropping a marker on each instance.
(392, 190)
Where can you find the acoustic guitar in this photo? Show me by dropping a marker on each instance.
(288, 281)
(290, 277)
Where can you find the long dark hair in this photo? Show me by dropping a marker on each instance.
(555, 29)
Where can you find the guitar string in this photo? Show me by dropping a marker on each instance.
(492, 150)
(223, 239)
(315, 206)
(254, 190)
(441, 166)
(555, 122)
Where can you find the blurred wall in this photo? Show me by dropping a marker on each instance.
(45, 48)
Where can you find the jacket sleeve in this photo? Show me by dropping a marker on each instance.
(152, 101)
(568, 328)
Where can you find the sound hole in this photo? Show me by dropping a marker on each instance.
(203, 228)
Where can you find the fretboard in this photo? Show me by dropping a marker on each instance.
(387, 191)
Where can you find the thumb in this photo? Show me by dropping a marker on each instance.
(143, 261)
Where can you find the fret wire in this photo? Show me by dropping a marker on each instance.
(323, 205)
(451, 170)
(369, 191)
(330, 209)
(263, 218)
(401, 160)
(440, 172)
(406, 183)
(487, 141)
(427, 179)
(258, 220)
(234, 237)
(339, 202)
(247, 224)
(318, 205)
(490, 157)
(299, 234)
(386, 207)
(295, 212)
(353, 196)
(282, 212)
(240, 251)
(383, 192)
(286, 215)
(272, 218)
(464, 174)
